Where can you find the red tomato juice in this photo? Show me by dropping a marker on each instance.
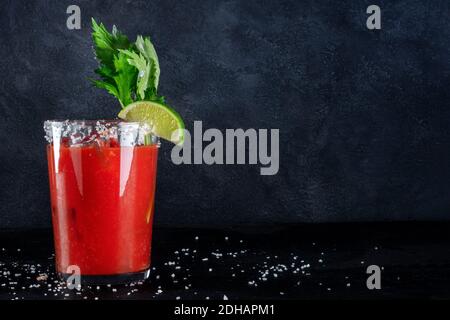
(102, 207)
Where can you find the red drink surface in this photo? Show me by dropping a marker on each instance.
(102, 207)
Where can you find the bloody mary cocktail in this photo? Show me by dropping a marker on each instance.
(102, 184)
(103, 172)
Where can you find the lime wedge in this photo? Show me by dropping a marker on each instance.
(164, 121)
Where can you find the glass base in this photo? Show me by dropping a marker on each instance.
(122, 278)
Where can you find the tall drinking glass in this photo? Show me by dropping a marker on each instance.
(102, 176)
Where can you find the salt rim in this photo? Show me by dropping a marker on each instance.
(82, 132)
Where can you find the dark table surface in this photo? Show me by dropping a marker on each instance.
(286, 262)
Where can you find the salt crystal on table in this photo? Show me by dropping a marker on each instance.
(42, 277)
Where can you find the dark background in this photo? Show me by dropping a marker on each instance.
(363, 115)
